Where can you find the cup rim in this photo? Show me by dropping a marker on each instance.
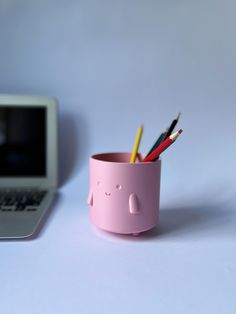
(100, 158)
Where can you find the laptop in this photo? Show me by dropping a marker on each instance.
(28, 163)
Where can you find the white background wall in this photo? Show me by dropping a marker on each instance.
(114, 65)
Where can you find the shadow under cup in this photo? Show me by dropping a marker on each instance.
(124, 197)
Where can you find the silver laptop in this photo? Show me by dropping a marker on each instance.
(28, 163)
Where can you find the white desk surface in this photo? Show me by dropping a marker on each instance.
(186, 265)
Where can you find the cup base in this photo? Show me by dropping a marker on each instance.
(134, 233)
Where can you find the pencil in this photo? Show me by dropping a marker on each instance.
(172, 126)
(158, 142)
(136, 144)
(163, 146)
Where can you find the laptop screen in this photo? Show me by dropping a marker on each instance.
(22, 141)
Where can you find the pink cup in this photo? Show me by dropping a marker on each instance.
(124, 197)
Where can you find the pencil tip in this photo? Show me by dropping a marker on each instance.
(180, 131)
(178, 115)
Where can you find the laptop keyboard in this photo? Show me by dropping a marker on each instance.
(20, 201)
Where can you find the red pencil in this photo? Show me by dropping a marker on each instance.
(163, 146)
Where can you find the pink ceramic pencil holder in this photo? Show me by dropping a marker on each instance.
(124, 197)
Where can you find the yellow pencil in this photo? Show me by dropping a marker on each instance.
(136, 145)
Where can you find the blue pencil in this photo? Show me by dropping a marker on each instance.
(158, 142)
